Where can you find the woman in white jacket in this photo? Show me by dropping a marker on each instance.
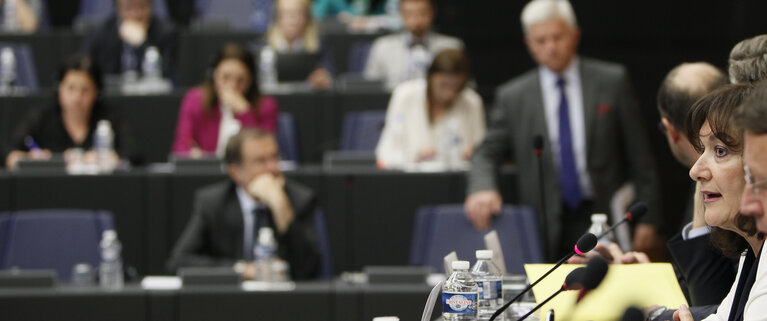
(433, 123)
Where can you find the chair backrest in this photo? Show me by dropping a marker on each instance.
(445, 228)
(26, 74)
(287, 138)
(358, 56)
(326, 269)
(54, 239)
(362, 129)
(101, 9)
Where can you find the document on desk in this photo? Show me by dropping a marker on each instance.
(639, 285)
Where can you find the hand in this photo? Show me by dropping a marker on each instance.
(426, 154)
(234, 100)
(467, 153)
(320, 79)
(133, 32)
(249, 273)
(269, 189)
(647, 240)
(15, 156)
(699, 211)
(480, 207)
(683, 314)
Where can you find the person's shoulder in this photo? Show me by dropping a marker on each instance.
(300, 195)
(162, 26)
(268, 103)
(473, 99)
(388, 40)
(447, 41)
(214, 192)
(410, 88)
(193, 96)
(604, 68)
(519, 84)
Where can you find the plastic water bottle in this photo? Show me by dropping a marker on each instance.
(152, 64)
(459, 294)
(103, 144)
(10, 23)
(490, 282)
(598, 226)
(7, 70)
(265, 252)
(267, 67)
(111, 268)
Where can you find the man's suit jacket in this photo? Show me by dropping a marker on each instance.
(617, 149)
(214, 234)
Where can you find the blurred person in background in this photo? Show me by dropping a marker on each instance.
(121, 42)
(437, 120)
(228, 99)
(70, 122)
(26, 18)
(406, 55)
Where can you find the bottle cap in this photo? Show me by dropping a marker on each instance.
(599, 218)
(265, 235)
(109, 234)
(460, 265)
(484, 254)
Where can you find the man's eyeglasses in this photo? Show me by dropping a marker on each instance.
(751, 181)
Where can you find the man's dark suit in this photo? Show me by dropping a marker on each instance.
(106, 46)
(617, 149)
(214, 234)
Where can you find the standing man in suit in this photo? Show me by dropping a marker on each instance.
(226, 218)
(595, 142)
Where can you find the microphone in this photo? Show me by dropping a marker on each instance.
(633, 314)
(538, 149)
(573, 281)
(596, 270)
(634, 213)
(586, 243)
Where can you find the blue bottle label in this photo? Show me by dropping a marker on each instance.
(490, 290)
(459, 303)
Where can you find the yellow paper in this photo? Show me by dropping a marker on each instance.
(638, 285)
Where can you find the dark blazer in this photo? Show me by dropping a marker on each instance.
(706, 272)
(106, 46)
(46, 127)
(617, 147)
(214, 234)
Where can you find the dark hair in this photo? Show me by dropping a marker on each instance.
(751, 115)
(748, 60)
(233, 150)
(717, 108)
(449, 61)
(82, 63)
(677, 93)
(231, 51)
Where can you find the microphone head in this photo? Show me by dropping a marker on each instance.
(538, 141)
(586, 243)
(633, 314)
(595, 272)
(574, 280)
(636, 211)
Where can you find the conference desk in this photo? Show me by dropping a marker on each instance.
(317, 301)
(369, 213)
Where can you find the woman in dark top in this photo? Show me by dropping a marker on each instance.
(71, 120)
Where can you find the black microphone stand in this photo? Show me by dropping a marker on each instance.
(538, 145)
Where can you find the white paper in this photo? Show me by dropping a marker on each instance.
(268, 286)
(431, 300)
(448, 261)
(161, 283)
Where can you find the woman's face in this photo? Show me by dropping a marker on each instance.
(77, 93)
(231, 74)
(291, 17)
(719, 171)
(445, 87)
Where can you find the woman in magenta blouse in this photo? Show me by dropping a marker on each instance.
(227, 101)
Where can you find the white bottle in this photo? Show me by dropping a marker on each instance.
(490, 282)
(459, 294)
(7, 70)
(267, 67)
(111, 267)
(10, 23)
(151, 67)
(103, 144)
(265, 252)
(599, 226)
